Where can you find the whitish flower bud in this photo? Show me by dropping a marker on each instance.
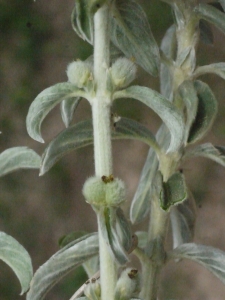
(92, 289)
(123, 72)
(128, 284)
(79, 73)
(115, 192)
(94, 191)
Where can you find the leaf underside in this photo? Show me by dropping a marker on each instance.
(17, 258)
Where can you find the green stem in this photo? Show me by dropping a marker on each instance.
(101, 105)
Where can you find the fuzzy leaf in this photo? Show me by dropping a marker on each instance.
(174, 191)
(60, 264)
(17, 158)
(108, 223)
(67, 109)
(168, 47)
(142, 239)
(216, 153)
(123, 230)
(82, 18)
(131, 33)
(217, 68)
(206, 112)
(190, 99)
(45, 102)
(141, 202)
(182, 222)
(165, 110)
(81, 134)
(206, 34)
(17, 258)
(211, 14)
(211, 258)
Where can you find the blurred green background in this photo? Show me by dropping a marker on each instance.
(36, 44)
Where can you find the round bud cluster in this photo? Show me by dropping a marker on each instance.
(79, 73)
(128, 284)
(123, 72)
(105, 191)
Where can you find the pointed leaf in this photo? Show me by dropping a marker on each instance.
(67, 109)
(123, 230)
(212, 15)
(141, 202)
(131, 33)
(182, 222)
(166, 111)
(15, 256)
(206, 113)
(82, 18)
(217, 68)
(211, 258)
(216, 153)
(174, 191)
(45, 102)
(130, 129)
(168, 47)
(190, 99)
(81, 134)
(107, 221)
(17, 158)
(65, 260)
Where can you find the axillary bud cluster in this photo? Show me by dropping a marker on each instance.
(104, 191)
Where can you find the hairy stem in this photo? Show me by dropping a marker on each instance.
(102, 137)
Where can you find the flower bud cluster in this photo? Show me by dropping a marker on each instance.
(128, 284)
(105, 191)
(79, 73)
(123, 72)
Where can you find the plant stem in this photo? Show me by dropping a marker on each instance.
(102, 137)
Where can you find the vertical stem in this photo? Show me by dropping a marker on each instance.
(102, 137)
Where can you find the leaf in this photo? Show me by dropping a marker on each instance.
(174, 191)
(182, 222)
(67, 109)
(140, 205)
(168, 47)
(81, 134)
(123, 230)
(206, 113)
(131, 33)
(45, 102)
(17, 158)
(189, 96)
(60, 264)
(206, 34)
(160, 105)
(142, 239)
(17, 258)
(108, 223)
(82, 18)
(68, 238)
(211, 258)
(216, 153)
(211, 14)
(130, 129)
(217, 68)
